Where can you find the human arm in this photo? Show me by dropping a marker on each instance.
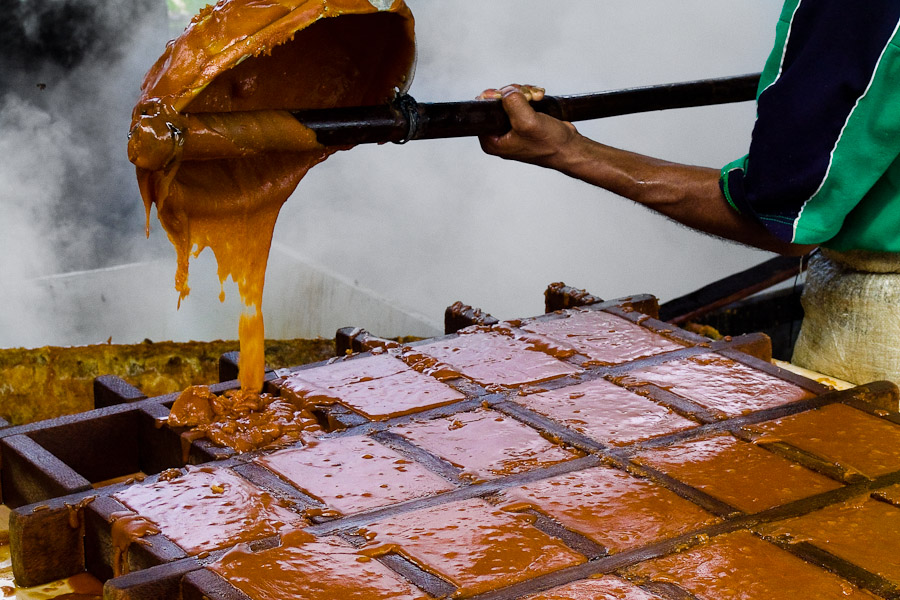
(688, 194)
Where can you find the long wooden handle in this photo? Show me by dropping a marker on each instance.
(401, 122)
(156, 141)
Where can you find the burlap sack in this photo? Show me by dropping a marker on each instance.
(851, 327)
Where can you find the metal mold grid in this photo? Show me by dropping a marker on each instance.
(61, 525)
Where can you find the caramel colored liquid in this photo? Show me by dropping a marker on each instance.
(326, 569)
(720, 384)
(493, 358)
(354, 474)
(856, 441)
(606, 412)
(604, 338)
(379, 387)
(241, 420)
(473, 545)
(738, 473)
(865, 532)
(486, 444)
(206, 509)
(740, 566)
(605, 588)
(613, 508)
(268, 58)
(127, 528)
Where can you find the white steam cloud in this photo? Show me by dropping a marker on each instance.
(68, 197)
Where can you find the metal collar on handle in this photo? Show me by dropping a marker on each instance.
(409, 108)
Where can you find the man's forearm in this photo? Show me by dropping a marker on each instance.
(687, 194)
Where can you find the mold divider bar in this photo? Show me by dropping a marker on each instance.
(678, 404)
(703, 500)
(406, 567)
(31, 473)
(877, 398)
(475, 490)
(432, 584)
(204, 584)
(774, 370)
(856, 575)
(430, 461)
(459, 316)
(160, 447)
(99, 543)
(576, 541)
(44, 546)
(555, 429)
(110, 390)
(559, 296)
(163, 581)
(269, 481)
(645, 304)
(448, 410)
(658, 327)
(669, 591)
(813, 463)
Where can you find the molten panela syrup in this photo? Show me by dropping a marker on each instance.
(731, 470)
(608, 587)
(314, 569)
(858, 531)
(206, 508)
(219, 177)
(331, 471)
(486, 444)
(740, 566)
(718, 383)
(606, 412)
(612, 508)
(499, 548)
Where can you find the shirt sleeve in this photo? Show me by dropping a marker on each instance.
(828, 119)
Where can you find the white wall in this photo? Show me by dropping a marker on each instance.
(130, 303)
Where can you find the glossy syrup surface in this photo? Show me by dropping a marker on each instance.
(606, 412)
(740, 566)
(486, 444)
(209, 508)
(378, 387)
(607, 587)
(604, 338)
(858, 442)
(719, 383)
(323, 569)
(354, 474)
(494, 359)
(472, 544)
(615, 509)
(731, 470)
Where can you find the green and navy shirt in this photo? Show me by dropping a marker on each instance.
(823, 165)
